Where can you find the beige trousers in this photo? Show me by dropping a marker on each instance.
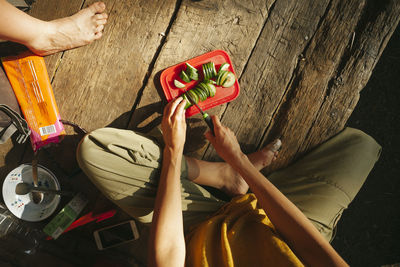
(125, 166)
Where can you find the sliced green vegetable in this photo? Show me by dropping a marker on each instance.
(221, 77)
(213, 70)
(224, 66)
(190, 68)
(194, 76)
(204, 88)
(230, 80)
(192, 72)
(206, 72)
(188, 104)
(201, 93)
(209, 70)
(184, 76)
(211, 89)
(193, 96)
(179, 84)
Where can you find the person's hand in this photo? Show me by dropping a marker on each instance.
(173, 124)
(224, 142)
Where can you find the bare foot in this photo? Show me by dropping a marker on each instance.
(77, 30)
(234, 184)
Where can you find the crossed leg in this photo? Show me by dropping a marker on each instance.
(125, 166)
(221, 175)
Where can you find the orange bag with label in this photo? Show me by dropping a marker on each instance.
(30, 81)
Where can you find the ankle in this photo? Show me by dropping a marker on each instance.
(43, 39)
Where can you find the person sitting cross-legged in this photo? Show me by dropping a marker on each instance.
(287, 219)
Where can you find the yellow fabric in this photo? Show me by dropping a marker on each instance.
(240, 234)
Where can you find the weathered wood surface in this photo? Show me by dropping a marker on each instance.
(97, 83)
(325, 78)
(200, 27)
(286, 34)
(372, 34)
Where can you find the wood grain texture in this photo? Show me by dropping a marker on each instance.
(287, 32)
(370, 38)
(326, 86)
(324, 83)
(201, 27)
(97, 83)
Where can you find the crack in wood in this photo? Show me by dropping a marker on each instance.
(269, 10)
(153, 62)
(295, 78)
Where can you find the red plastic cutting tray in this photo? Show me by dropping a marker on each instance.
(222, 95)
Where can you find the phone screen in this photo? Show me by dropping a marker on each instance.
(115, 235)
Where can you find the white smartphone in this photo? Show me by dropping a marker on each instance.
(115, 235)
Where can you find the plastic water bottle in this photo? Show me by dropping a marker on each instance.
(18, 236)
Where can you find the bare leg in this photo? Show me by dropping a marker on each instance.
(220, 174)
(45, 38)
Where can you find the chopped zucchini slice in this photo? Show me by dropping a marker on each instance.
(230, 80)
(188, 103)
(224, 66)
(184, 76)
(193, 96)
(178, 84)
(221, 77)
(211, 89)
(192, 72)
(213, 70)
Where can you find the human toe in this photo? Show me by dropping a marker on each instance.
(97, 7)
(275, 146)
(98, 35)
(102, 16)
(99, 28)
(101, 22)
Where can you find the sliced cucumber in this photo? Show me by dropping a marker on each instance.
(213, 70)
(194, 76)
(205, 72)
(211, 89)
(193, 96)
(209, 70)
(179, 84)
(204, 88)
(221, 77)
(230, 80)
(188, 103)
(202, 93)
(190, 68)
(184, 76)
(224, 66)
(192, 72)
(198, 93)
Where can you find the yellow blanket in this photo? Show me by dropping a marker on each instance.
(240, 234)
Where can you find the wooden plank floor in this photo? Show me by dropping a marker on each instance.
(300, 64)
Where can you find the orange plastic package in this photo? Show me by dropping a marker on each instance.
(30, 81)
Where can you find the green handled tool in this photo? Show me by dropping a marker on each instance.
(206, 117)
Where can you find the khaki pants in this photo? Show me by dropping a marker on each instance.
(125, 166)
